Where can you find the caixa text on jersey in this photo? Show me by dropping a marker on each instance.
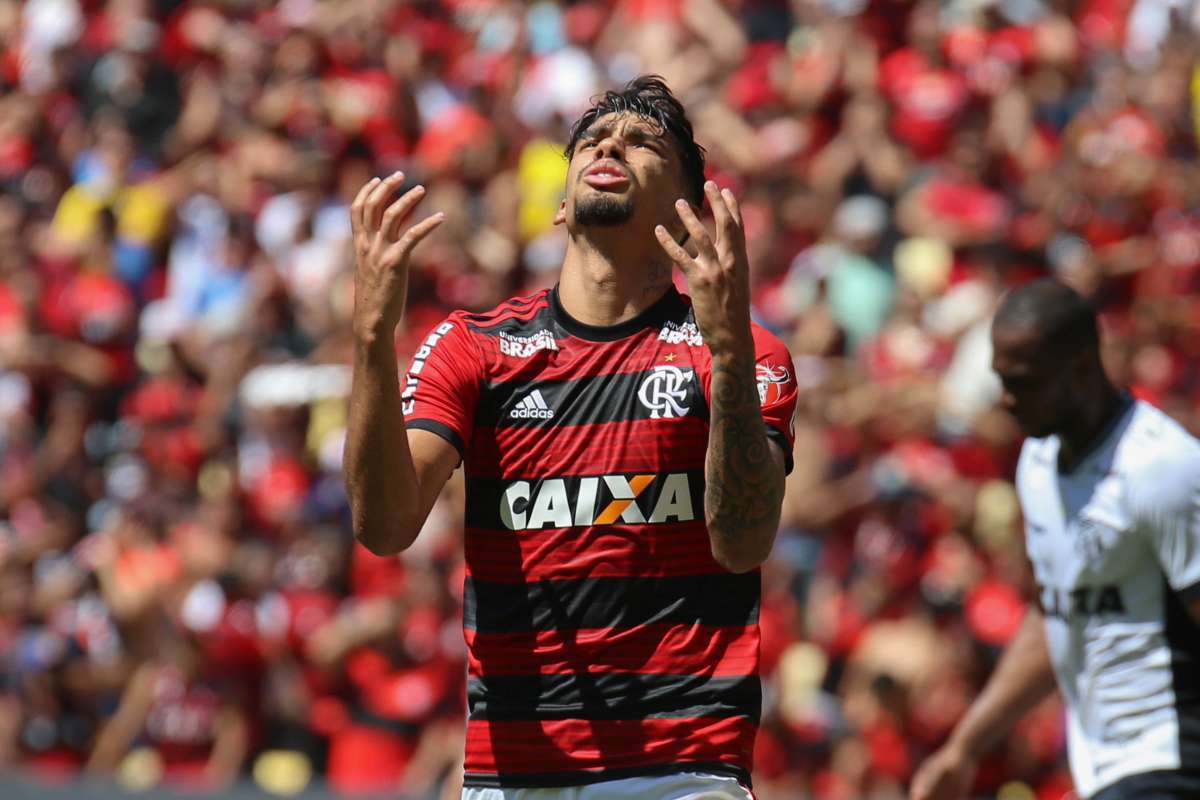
(598, 500)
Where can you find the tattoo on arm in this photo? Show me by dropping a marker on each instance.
(743, 484)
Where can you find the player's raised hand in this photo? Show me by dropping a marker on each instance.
(945, 775)
(382, 247)
(718, 275)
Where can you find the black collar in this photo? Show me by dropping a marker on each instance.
(669, 306)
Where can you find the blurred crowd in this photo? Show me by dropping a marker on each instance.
(181, 601)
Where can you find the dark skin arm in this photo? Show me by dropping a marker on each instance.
(1023, 678)
(115, 738)
(743, 470)
(229, 747)
(12, 717)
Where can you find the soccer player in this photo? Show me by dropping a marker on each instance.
(625, 448)
(1110, 490)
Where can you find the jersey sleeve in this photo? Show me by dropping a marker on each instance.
(775, 377)
(441, 388)
(1169, 515)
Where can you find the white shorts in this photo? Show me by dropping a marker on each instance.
(680, 786)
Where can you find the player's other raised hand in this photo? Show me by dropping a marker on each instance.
(718, 275)
(382, 247)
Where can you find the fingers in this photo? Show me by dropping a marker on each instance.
(695, 228)
(360, 204)
(673, 249)
(398, 251)
(734, 209)
(721, 213)
(398, 210)
(373, 208)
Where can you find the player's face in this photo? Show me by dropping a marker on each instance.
(1037, 385)
(624, 168)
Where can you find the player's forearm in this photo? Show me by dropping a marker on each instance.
(381, 482)
(743, 490)
(1023, 678)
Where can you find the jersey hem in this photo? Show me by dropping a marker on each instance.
(552, 780)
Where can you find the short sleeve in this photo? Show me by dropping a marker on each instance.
(1169, 515)
(441, 388)
(776, 379)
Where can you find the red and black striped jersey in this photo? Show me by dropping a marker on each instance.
(605, 641)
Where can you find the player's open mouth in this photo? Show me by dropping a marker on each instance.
(605, 175)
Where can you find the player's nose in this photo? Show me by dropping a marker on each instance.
(610, 147)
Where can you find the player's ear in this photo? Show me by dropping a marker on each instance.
(560, 216)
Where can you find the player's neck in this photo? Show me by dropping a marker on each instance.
(1089, 426)
(608, 285)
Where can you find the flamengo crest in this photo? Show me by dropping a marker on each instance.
(664, 391)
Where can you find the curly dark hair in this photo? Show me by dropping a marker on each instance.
(650, 97)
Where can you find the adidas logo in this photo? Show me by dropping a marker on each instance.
(532, 406)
